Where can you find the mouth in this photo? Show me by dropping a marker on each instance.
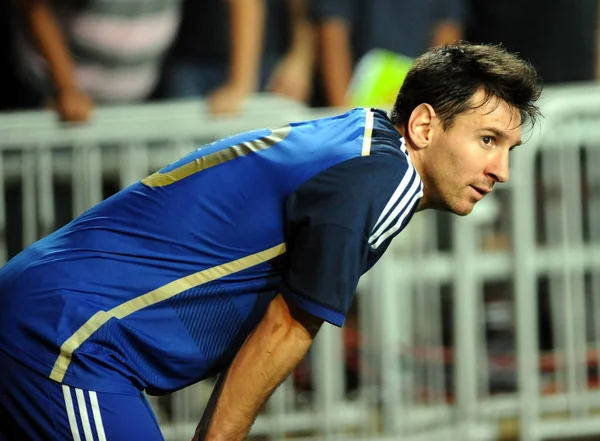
(480, 191)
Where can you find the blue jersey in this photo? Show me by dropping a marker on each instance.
(158, 286)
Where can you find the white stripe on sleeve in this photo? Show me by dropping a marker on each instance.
(414, 187)
(71, 413)
(398, 225)
(85, 421)
(404, 183)
(97, 416)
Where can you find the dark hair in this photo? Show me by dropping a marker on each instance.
(447, 77)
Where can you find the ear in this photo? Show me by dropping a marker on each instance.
(420, 126)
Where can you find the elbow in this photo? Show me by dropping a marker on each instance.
(292, 322)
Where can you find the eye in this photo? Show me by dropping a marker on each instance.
(488, 141)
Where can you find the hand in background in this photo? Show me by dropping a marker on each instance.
(292, 77)
(227, 99)
(73, 105)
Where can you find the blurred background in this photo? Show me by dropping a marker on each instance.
(477, 328)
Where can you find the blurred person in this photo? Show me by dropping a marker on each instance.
(267, 45)
(349, 29)
(230, 259)
(292, 75)
(9, 98)
(78, 53)
(558, 36)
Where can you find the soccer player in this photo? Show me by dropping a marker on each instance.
(229, 260)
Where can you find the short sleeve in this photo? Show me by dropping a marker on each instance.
(338, 225)
(322, 10)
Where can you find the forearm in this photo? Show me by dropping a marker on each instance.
(267, 357)
(303, 32)
(336, 61)
(247, 21)
(51, 43)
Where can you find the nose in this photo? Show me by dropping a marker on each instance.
(498, 168)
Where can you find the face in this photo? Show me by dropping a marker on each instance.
(459, 166)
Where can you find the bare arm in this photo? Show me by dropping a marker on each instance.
(267, 357)
(247, 21)
(336, 60)
(293, 75)
(51, 43)
(71, 103)
(302, 28)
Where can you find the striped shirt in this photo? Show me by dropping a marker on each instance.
(116, 46)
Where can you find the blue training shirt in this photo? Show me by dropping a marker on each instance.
(158, 286)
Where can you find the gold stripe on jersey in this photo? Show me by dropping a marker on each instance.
(368, 134)
(159, 179)
(155, 296)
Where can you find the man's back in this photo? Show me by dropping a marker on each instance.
(159, 285)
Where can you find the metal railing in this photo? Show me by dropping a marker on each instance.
(444, 341)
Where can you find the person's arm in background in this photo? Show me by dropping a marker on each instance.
(247, 22)
(71, 103)
(293, 75)
(449, 27)
(334, 20)
(336, 60)
(272, 350)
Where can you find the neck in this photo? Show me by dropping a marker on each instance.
(415, 160)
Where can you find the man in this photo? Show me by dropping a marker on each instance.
(227, 64)
(75, 53)
(348, 30)
(230, 259)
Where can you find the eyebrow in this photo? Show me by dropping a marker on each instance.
(501, 134)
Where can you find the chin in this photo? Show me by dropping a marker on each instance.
(464, 211)
(459, 206)
(461, 209)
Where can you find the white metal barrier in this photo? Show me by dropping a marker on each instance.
(426, 354)
(569, 256)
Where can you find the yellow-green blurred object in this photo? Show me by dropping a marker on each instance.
(377, 78)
